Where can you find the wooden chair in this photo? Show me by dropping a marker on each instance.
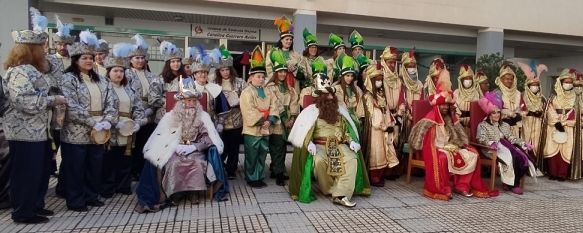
(419, 109)
(476, 116)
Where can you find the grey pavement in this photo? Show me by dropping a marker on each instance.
(546, 206)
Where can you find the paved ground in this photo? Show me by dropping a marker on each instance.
(546, 206)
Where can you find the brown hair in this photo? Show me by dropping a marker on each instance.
(167, 73)
(328, 108)
(32, 54)
(343, 84)
(232, 75)
(124, 80)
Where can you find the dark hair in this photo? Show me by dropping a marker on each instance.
(167, 73)
(74, 68)
(145, 62)
(343, 84)
(124, 80)
(232, 75)
(274, 78)
(306, 52)
(280, 45)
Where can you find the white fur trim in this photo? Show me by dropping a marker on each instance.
(213, 89)
(306, 120)
(162, 143)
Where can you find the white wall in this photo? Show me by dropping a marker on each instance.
(556, 65)
(14, 17)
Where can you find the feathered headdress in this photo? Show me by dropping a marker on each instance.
(309, 38)
(103, 46)
(226, 57)
(203, 60)
(278, 60)
(490, 102)
(257, 61)
(356, 40)
(345, 64)
(532, 71)
(35, 36)
(335, 41)
(87, 44)
(39, 22)
(119, 55)
(284, 26)
(140, 48)
(169, 51)
(64, 32)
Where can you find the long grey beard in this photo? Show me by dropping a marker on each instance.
(186, 117)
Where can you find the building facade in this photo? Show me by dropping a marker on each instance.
(458, 30)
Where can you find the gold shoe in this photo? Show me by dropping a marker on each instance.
(344, 202)
(465, 193)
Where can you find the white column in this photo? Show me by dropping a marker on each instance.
(303, 19)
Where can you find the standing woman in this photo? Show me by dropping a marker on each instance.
(467, 93)
(90, 114)
(140, 80)
(347, 92)
(534, 102)
(26, 124)
(560, 128)
(232, 121)
(168, 80)
(286, 45)
(288, 107)
(117, 160)
(310, 55)
(337, 42)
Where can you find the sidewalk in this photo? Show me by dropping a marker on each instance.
(547, 206)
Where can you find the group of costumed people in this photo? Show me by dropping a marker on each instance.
(349, 119)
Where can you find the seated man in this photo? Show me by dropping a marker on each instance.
(182, 143)
(326, 141)
(444, 145)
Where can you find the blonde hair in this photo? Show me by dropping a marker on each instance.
(32, 54)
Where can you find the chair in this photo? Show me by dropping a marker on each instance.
(476, 116)
(419, 109)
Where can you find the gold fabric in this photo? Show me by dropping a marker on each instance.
(381, 150)
(101, 70)
(353, 103)
(288, 99)
(124, 106)
(143, 81)
(251, 103)
(342, 185)
(552, 148)
(95, 95)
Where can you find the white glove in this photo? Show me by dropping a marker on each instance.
(354, 146)
(98, 126)
(148, 112)
(105, 125)
(185, 149)
(220, 128)
(136, 128)
(312, 148)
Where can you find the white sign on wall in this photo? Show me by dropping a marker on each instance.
(224, 32)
